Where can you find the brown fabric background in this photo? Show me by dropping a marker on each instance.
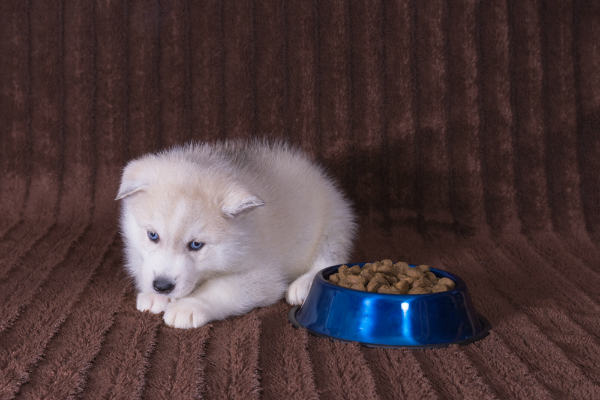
(467, 134)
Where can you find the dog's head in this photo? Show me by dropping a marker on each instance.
(182, 222)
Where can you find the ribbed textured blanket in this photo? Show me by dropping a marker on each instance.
(466, 133)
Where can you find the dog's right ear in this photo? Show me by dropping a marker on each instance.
(240, 202)
(134, 179)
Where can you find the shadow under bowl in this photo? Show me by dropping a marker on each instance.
(390, 320)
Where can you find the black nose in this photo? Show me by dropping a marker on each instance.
(163, 286)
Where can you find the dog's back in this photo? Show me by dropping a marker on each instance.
(305, 214)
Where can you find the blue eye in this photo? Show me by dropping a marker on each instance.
(195, 245)
(153, 236)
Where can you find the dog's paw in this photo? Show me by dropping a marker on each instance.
(153, 302)
(298, 290)
(185, 313)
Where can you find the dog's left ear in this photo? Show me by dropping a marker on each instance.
(135, 179)
(239, 202)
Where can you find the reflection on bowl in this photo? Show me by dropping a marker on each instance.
(390, 320)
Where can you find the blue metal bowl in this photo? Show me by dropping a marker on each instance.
(390, 320)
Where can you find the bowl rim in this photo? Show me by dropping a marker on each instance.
(460, 284)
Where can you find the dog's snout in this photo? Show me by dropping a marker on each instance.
(163, 286)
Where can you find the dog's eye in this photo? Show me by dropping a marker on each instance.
(195, 245)
(153, 236)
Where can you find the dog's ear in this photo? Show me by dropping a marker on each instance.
(135, 179)
(239, 202)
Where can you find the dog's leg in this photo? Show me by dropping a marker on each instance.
(153, 302)
(298, 290)
(334, 250)
(221, 297)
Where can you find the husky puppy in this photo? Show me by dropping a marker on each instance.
(214, 230)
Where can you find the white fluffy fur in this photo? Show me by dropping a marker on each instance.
(267, 216)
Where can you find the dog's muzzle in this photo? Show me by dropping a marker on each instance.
(163, 286)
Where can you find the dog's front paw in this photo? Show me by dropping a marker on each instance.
(185, 313)
(298, 290)
(153, 302)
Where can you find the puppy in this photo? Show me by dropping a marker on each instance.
(215, 230)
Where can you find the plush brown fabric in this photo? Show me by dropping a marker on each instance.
(466, 133)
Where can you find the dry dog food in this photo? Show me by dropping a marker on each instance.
(387, 277)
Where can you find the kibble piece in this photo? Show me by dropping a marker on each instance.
(400, 268)
(448, 282)
(391, 279)
(409, 279)
(421, 282)
(335, 278)
(380, 278)
(344, 284)
(354, 270)
(430, 275)
(373, 286)
(417, 290)
(367, 273)
(358, 286)
(387, 262)
(423, 268)
(388, 290)
(343, 269)
(440, 287)
(403, 287)
(414, 272)
(368, 266)
(384, 269)
(354, 279)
